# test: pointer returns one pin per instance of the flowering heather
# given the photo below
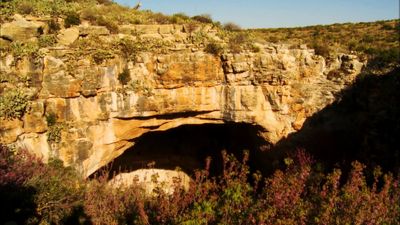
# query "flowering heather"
(299, 194)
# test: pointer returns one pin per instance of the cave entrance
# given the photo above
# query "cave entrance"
(187, 146)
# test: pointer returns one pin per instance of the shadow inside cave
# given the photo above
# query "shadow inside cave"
(362, 124)
(186, 147)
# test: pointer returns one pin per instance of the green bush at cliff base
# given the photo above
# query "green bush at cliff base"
(297, 194)
(58, 190)
(37, 193)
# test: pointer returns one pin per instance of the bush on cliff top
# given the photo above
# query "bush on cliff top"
(214, 48)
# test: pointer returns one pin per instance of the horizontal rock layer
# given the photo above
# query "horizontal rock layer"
(276, 89)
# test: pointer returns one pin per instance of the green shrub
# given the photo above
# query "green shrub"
(140, 87)
(255, 48)
(214, 48)
(368, 38)
(129, 48)
(59, 190)
(26, 7)
(273, 39)
(124, 77)
(352, 44)
(179, 18)
(53, 25)
(54, 133)
(237, 42)
(397, 26)
(90, 14)
(117, 205)
(199, 38)
(47, 41)
(321, 48)
(105, 2)
(387, 27)
(72, 18)
(384, 58)
(160, 18)
(182, 16)
(190, 27)
(19, 49)
(203, 18)
(34, 7)
(13, 104)
(231, 27)
(111, 25)
(51, 119)
(100, 55)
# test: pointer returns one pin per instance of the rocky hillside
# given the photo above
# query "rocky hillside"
(376, 41)
(82, 90)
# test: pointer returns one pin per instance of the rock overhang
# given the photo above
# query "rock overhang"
(276, 89)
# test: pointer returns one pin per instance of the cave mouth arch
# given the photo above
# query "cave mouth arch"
(186, 147)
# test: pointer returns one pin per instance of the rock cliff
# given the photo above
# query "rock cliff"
(101, 102)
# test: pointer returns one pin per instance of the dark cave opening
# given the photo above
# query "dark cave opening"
(187, 147)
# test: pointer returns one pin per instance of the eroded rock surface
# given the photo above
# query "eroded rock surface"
(276, 88)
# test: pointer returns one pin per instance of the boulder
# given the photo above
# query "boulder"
(19, 30)
(166, 29)
(34, 122)
(68, 36)
(60, 85)
(240, 67)
(52, 65)
(10, 130)
(147, 29)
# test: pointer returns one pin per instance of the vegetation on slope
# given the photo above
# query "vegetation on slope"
(100, 12)
(299, 194)
(379, 42)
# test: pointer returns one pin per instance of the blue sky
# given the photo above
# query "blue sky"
(278, 13)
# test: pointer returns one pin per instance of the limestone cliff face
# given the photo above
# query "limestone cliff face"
(276, 88)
